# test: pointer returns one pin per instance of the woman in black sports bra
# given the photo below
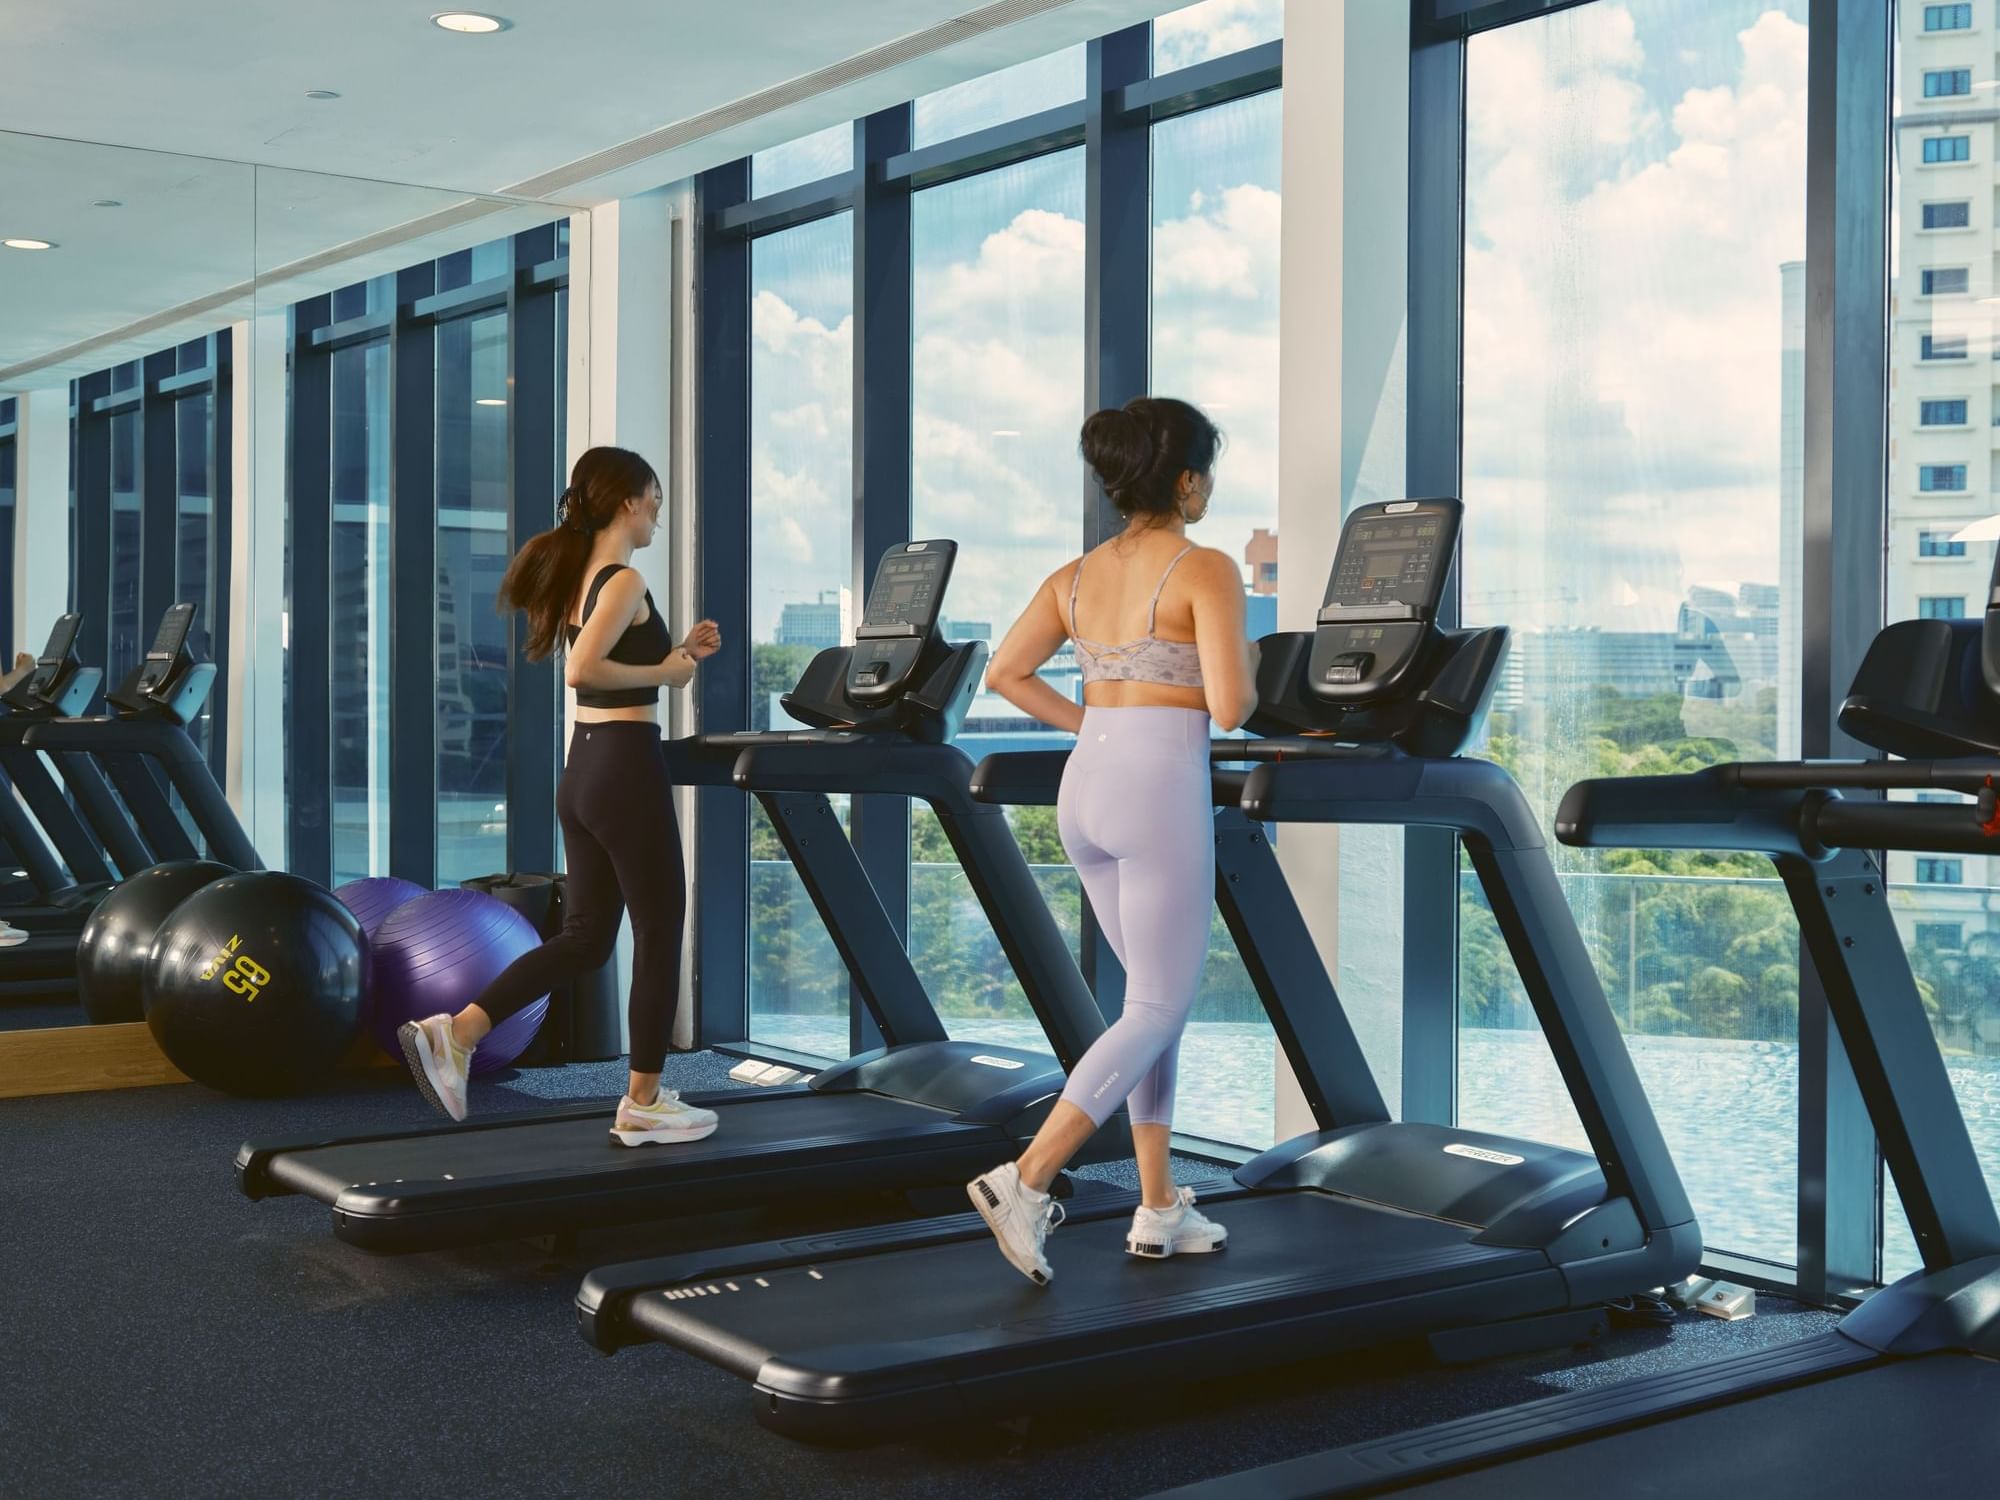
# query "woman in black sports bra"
(620, 836)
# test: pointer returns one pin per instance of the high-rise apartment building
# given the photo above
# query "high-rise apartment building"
(1944, 396)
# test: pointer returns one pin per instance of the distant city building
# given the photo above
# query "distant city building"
(825, 622)
(967, 630)
(1261, 553)
(1725, 647)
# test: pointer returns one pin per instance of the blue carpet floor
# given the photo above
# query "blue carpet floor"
(161, 1335)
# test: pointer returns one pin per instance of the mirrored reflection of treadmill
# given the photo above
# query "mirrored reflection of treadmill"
(75, 867)
(1360, 1231)
(144, 747)
(920, 1111)
(1902, 1394)
(60, 687)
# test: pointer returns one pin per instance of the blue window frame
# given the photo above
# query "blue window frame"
(1946, 281)
(1953, 215)
(1944, 346)
(1940, 871)
(1941, 607)
(1947, 17)
(1947, 83)
(1940, 478)
(1947, 148)
(1941, 413)
(1938, 544)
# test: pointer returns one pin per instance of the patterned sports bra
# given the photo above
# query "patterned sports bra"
(1148, 659)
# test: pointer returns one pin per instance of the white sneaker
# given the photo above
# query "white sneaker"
(1019, 1217)
(1180, 1230)
(439, 1065)
(665, 1119)
(11, 936)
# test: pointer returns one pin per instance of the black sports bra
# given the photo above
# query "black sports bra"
(645, 643)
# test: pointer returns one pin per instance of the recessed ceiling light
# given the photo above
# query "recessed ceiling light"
(470, 22)
(322, 94)
(1006, 432)
(490, 401)
(27, 244)
(105, 203)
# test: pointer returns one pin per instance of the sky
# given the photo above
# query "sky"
(998, 359)
(1636, 179)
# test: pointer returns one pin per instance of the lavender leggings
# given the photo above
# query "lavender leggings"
(1138, 822)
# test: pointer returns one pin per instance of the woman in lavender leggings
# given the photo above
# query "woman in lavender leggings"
(1158, 627)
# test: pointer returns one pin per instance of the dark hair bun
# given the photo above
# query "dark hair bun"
(1117, 445)
(1140, 450)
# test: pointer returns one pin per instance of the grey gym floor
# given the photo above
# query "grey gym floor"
(161, 1335)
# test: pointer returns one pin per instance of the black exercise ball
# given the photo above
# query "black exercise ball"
(111, 954)
(255, 984)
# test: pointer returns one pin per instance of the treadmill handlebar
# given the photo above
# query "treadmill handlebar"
(1474, 798)
(1791, 808)
(164, 740)
(938, 774)
(1032, 778)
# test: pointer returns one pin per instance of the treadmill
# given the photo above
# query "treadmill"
(1358, 1232)
(1903, 1392)
(920, 1111)
(144, 748)
(72, 867)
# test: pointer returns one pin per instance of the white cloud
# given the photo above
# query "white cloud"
(1623, 302)
(1214, 28)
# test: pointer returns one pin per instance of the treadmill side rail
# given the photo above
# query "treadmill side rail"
(1466, 1442)
(254, 1158)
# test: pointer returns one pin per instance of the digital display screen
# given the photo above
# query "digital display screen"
(62, 640)
(1391, 559)
(905, 589)
(1383, 564)
(173, 633)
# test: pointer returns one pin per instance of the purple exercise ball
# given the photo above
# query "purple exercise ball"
(436, 953)
(373, 897)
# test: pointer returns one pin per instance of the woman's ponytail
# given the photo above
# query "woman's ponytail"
(546, 575)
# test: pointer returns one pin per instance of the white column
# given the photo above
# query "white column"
(1341, 399)
(41, 513)
(259, 633)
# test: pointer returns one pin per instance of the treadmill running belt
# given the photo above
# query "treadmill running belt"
(573, 1147)
(922, 1315)
(1911, 1427)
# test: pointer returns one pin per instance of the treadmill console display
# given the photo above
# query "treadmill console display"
(1388, 581)
(909, 585)
(1397, 556)
(173, 634)
(902, 613)
(55, 655)
(167, 648)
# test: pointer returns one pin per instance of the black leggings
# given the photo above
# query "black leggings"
(623, 847)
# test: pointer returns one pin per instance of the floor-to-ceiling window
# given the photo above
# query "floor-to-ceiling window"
(127, 461)
(1634, 218)
(429, 419)
(359, 646)
(1216, 207)
(471, 635)
(801, 561)
(997, 366)
(149, 482)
